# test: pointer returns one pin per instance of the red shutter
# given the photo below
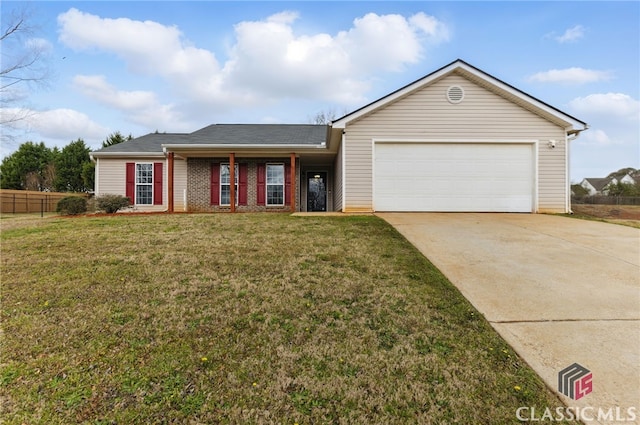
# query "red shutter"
(157, 183)
(130, 185)
(262, 187)
(287, 184)
(215, 184)
(242, 184)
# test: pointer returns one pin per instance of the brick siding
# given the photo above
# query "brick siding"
(199, 182)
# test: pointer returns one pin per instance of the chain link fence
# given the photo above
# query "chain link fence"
(606, 200)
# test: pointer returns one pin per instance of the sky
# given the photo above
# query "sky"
(141, 67)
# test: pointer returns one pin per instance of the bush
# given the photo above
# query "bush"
(72, 205)
(111, 203)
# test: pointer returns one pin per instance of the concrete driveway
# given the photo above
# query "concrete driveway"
(559, 291)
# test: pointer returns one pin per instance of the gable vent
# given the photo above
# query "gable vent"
(455, 94)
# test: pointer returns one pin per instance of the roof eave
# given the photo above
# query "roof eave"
(98, 154)
(240, 147)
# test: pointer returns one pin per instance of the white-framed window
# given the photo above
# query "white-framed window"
(275, 184)
(144, 184)
(225, 184)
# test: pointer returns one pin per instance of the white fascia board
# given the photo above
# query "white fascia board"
(239, 147)
(523, 96)
(126, 154)
(445, 141)
(574, 123)
(341, 123)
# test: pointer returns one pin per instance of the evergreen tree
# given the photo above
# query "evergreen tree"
(29, 168)
(69, 165)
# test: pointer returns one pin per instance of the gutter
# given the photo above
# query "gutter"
(200, 146)
(571, 135)
(94, 155)
(575, 133)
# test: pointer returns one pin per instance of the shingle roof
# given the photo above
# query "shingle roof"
(268, 134)
(226, 134)
(598, 183)
(151, 142)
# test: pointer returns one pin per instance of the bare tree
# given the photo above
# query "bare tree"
(325, 116)
(24, 64)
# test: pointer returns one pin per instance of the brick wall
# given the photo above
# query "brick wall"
(199, 181)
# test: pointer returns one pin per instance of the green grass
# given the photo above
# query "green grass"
(249, 318)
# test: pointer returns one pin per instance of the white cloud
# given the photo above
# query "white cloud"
(59, 124)
(141, 107)
(267, 60)
(613, 141)
(596, 137)
(618, 105)
(147, 47)
(571, 75)
(571, 35)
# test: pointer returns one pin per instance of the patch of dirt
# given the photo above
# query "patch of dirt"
(619, 212)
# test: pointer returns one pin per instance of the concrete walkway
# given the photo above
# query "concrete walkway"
(558, 290)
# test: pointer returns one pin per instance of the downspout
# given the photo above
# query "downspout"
(95, 176)
(570, 136)
(344, 176)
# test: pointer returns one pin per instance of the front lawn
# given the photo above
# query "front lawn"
(248, 318)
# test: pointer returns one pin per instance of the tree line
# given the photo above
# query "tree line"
(34, 166)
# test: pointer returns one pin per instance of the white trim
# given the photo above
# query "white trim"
(536, 161)
(457, 65)
(373, 173)
(454, 141)
(341, 123)
(567, 175)
(266, 185)
(197, 146)
(344, 169)
(96, 180)
(237, 184)
(127, 154)
(135, 184)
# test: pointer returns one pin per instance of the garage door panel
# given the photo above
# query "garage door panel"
(453, 177)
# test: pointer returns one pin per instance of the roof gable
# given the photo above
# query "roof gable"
(599, 183)
(479, 77)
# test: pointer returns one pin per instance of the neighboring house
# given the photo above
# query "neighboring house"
(597, 185)
(457, 139)
(626, 179)
(600, 186)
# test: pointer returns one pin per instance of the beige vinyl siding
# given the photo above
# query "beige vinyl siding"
(427, 115)
(179, 184)
(111, 177)
(337, 182)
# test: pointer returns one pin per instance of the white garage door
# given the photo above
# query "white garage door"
(483, 177)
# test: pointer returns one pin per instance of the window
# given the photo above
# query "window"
(275, 184)
(225, 184)
(144, 184)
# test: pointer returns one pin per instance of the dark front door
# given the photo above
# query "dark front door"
(316, 191)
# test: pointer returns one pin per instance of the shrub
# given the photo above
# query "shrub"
(111, 203)
(72, 205)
